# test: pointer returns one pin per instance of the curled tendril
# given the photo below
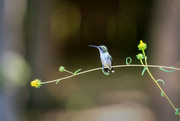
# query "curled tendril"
(177, 111)
(162, 94)
(105, 72)
(143, 71)
(58, 81)
(161, 81)
(167, 70)
(128, 60)
(77, 71)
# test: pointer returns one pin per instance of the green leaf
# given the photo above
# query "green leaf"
(167, 70)
(177, 111)
(162, 94)
(58, 81)
(77, 71)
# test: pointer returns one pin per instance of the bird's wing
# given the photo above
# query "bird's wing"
(111, 60)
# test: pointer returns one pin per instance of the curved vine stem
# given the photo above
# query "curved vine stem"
(129, 65)
(162, 91)
(142, 46)
(116, 66)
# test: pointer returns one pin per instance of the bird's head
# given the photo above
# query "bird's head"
(102, 48)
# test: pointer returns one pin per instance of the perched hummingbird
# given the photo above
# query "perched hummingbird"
(106, 58)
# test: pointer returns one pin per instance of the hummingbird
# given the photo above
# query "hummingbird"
(106, 59)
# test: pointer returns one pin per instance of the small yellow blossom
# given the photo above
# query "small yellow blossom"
(36, 83)
(142, 45)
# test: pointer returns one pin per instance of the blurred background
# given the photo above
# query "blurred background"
(38, 36)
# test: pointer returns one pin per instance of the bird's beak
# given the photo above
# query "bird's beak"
(93, 46)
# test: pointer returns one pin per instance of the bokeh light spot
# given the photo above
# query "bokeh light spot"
(65, 21)
(80, 101)
(14, 69)
(121, 29)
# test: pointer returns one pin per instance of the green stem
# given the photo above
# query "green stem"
(116, 66)
(152, 66)
(156, 81)
(161, 89)
(69, 72)
(144, 57)
(58, 79)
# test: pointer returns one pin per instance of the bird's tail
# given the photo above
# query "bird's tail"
(112, 70)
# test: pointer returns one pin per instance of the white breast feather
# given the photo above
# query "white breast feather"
(105, 59)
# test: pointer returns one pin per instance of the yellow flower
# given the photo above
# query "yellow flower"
(142, 45)
(36, 83)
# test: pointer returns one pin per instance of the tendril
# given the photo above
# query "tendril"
(77, 71)
(161, 81)
(105, 72)
(167, 70)
(128, 60)
(143, 71)
(58, 81)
